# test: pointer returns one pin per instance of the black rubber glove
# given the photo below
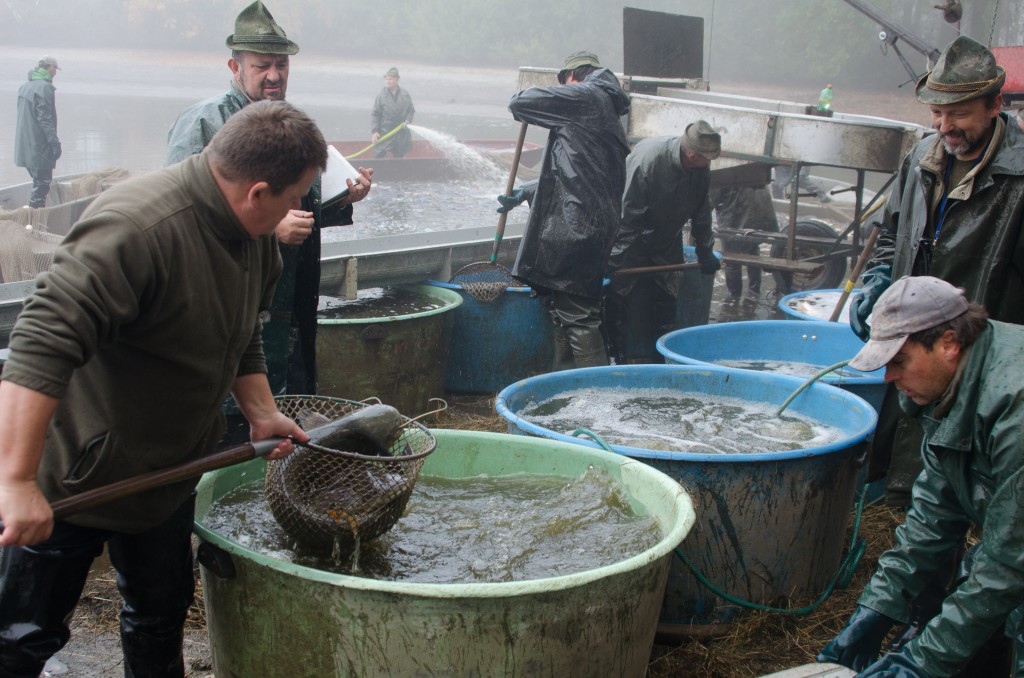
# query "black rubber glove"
(895, 665)
(514, 199)
(709, 265)
(858, 644)
(55, 149)
(876, 281)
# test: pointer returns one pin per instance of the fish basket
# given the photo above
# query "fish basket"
(334, 500)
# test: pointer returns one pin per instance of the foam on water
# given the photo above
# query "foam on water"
(820, 305)
(788, 367)
(667, 420)
(468, 530)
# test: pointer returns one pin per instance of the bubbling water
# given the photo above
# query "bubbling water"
(819, 304)
(468, 530)
(788, 367)
(667, 420)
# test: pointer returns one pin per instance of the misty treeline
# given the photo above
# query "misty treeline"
(786, 41)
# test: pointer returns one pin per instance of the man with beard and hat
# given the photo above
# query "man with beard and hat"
(955, 212)
(259, 62)
(667, 184)
(575, 203)
(36, 145)
(392, 107)
(961, 376)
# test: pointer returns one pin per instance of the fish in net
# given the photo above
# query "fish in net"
(353, 479)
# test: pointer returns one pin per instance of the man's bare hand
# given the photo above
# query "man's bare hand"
(295, 227)
(357, 190)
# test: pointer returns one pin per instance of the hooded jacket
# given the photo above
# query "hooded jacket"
(574, 213)
(36, 139)
(973, 473)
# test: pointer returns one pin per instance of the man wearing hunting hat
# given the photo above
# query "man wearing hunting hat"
(956, 212)
(392, 107)
(961, 376)
(259, 63)
(667, 183)
(574, 205)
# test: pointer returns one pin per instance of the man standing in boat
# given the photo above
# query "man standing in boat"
(667, 185)
(392, 107)
(36, 145)
(575, 204)
(259, 63)
(962, 377)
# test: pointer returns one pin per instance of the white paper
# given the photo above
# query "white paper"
(333, 186)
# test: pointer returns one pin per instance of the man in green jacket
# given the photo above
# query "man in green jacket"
(962, 377)
(119, 363)
(36, 145)
(260, 65)
(956, 212)
(392, 107)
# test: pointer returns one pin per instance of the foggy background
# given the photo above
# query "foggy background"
(130, 66)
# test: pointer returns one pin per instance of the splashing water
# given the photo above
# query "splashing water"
(465, 158)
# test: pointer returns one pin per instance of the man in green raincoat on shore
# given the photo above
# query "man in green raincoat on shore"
(961, 376)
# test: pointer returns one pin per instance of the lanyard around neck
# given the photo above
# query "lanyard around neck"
(947, 189)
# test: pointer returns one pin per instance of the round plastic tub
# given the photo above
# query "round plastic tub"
(397, 358)
(270, 618)
(495, 343)
(820, 344)
(771, 525)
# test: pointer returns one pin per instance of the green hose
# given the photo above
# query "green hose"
(803, 386)
(841, 578)
(598, 439)
(380, 139)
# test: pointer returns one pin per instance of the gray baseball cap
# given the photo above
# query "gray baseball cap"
(910, 305)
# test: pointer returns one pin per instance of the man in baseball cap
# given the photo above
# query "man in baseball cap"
(961, 376)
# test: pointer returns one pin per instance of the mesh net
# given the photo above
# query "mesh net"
(327, 500)
(483, 280)
(24, 252)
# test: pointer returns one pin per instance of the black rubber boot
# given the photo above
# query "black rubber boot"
(156, 578)
(39, 589)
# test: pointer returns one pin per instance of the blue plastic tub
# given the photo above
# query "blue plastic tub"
(806, 305)
(771, 526)
(820, 344)
(496, 343)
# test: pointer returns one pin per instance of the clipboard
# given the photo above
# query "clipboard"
(333, 186)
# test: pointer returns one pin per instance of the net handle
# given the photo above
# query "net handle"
(509, 187)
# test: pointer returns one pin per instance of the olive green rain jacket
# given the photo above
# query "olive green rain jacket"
(973, 473)
(979, 247)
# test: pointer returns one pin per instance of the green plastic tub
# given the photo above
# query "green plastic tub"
(400, 359)
(271, 618)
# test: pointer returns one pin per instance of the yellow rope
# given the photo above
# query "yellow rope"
(383, 138)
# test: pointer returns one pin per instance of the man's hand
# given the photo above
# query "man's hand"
(374, 137)
(860, 641)
(357, 190)
(277, 425)
(709, 265)
(295, 227)
(27, 517)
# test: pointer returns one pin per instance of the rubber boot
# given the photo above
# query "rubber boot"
(39, 589)
(563, 358)
(156, 578)
(588, 347)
